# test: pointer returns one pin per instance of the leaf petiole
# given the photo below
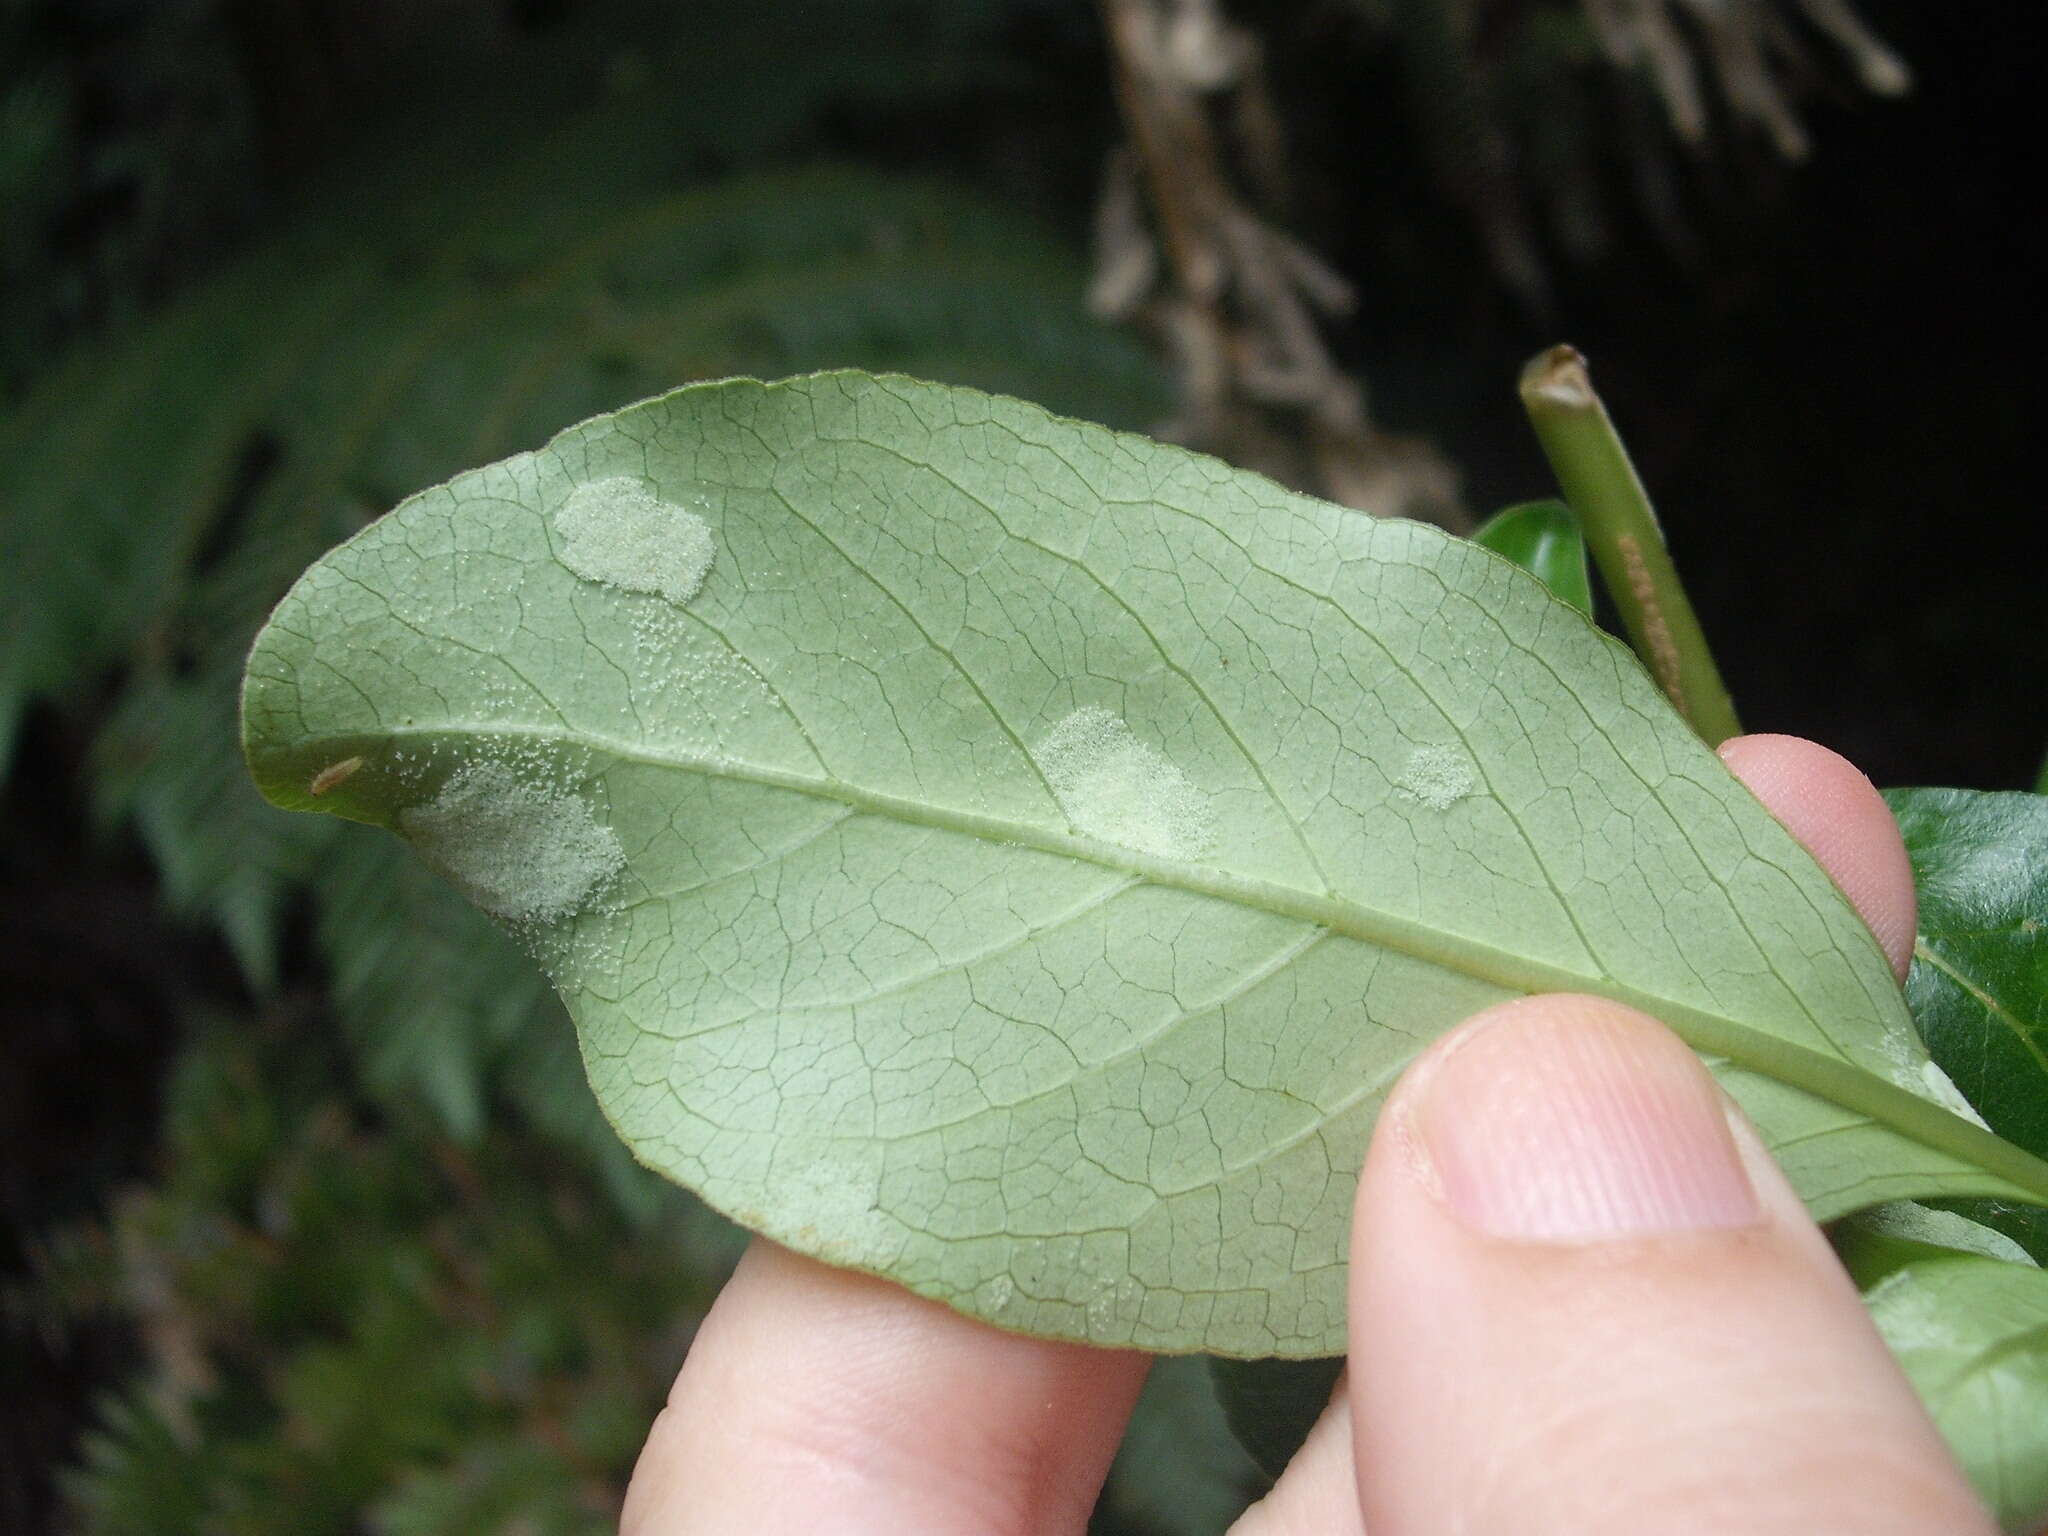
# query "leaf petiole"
(1620, 528)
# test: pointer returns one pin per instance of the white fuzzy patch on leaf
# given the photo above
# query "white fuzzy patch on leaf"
(1114, 787)
(521, 851)
(1941, 1088)
(1438, 777)
(618, 533)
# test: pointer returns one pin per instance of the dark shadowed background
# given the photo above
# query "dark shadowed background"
(306, 1220)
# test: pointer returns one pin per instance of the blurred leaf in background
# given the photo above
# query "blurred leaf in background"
(346, 1320)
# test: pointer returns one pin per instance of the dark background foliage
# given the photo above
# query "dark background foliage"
(236, 1189)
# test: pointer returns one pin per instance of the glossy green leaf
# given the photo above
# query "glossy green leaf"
(1979, 984)
(1972, 1334)
(1543, 537)
(1018, 861)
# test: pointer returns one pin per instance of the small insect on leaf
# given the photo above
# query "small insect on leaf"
(333, 774)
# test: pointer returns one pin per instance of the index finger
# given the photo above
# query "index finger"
(820, 1399)
(1824, 800)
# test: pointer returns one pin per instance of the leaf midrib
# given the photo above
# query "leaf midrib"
(1711, 1034)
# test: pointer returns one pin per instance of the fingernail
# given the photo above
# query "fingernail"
(1573, 1120)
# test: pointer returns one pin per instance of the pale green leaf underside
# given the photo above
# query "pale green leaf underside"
(1972, 1334)
(1023, 862)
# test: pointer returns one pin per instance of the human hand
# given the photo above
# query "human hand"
(1583, 1300)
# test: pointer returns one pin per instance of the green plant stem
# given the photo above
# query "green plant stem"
(1621, 530)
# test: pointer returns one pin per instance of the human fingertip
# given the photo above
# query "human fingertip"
(1838, 816)
(1575, 1119)
(1584, 1300)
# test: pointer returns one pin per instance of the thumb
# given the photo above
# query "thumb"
(1585, 1301)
